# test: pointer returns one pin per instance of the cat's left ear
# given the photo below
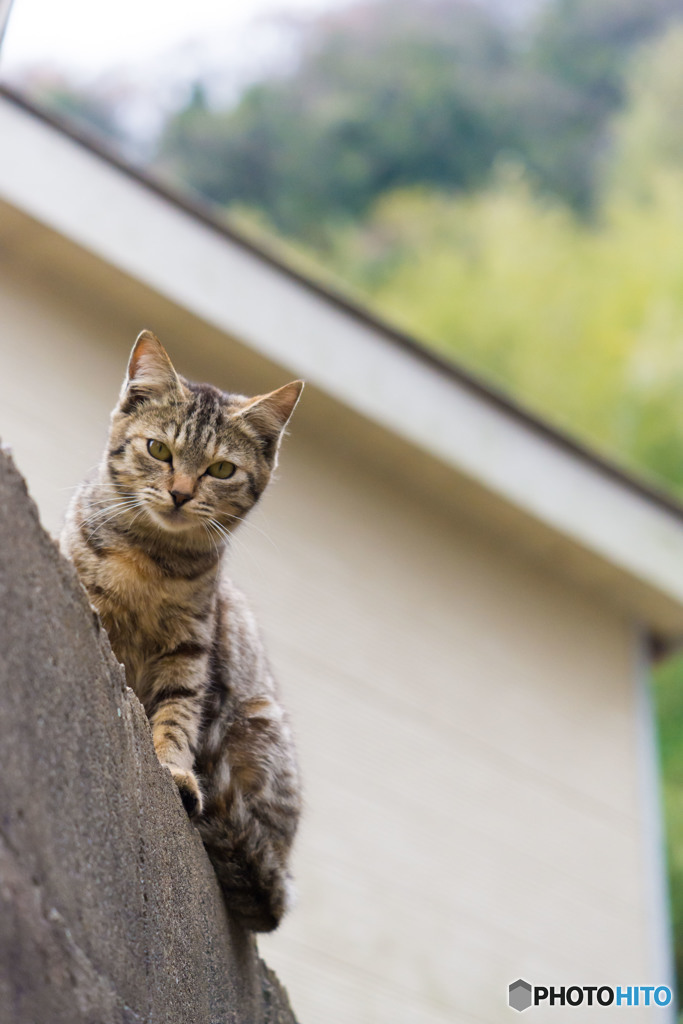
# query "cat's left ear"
(150, 372)
(269, 414)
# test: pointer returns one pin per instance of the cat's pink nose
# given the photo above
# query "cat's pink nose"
(180, 497)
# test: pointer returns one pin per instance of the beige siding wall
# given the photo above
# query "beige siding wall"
(467, 721)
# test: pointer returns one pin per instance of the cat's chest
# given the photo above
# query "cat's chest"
(144, 612)
(127, 583)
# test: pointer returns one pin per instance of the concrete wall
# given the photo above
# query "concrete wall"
(109, 909)
(469, 722)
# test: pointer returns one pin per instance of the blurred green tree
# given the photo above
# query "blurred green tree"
(393, 93)
(583, 49)
(668, 693)
(386, 94)
(647, 138)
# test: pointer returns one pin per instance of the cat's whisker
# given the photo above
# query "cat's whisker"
(116, 492)
(91, 519)
(137, 514)
(114, 514)
(119, 506)
(223, 536)
(99, 526)
(247, 551)
(119, 500)
(251, 525)
(222, 532)
(204, 527)
(211, 538)
(230, 539)
(111, 500)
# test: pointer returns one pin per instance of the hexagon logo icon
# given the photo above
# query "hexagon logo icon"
(519, 995)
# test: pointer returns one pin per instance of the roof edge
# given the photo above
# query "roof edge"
(205, 212)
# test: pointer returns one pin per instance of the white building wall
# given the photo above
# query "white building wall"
(467, 720)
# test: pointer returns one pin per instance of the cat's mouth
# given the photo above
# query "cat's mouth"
(175, 519)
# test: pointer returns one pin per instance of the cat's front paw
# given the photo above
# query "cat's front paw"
(189, 790)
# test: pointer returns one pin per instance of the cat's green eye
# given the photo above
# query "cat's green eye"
(159, 450)
(222, 470)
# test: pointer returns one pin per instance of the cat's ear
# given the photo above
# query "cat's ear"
(269, 414)
(150, 372)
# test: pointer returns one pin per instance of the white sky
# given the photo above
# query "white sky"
(141, 55)
(89, 38)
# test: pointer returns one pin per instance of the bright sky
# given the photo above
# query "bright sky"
(89, 37)
(142, 54)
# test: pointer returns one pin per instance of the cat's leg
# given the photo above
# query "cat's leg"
(174, 709)
(251, 813)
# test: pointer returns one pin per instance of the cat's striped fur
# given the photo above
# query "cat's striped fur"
(147, 535)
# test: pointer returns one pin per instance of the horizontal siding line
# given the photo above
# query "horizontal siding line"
(412, 805)
(487, 753)
(374, 981)
(590, 893)
(570, 957)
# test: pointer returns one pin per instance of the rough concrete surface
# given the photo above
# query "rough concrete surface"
(109, 909)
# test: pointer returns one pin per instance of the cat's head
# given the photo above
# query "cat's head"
(189, 458)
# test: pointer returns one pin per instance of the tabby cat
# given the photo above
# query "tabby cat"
(183, 465)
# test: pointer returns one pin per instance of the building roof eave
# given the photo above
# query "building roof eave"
(179, 250)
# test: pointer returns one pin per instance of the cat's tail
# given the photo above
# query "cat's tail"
(251, 872)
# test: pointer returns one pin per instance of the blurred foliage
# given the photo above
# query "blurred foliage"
(394, 93)
(583, 48)
(648, 137)
(387, 94)
(579, 320)
(668, 693)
